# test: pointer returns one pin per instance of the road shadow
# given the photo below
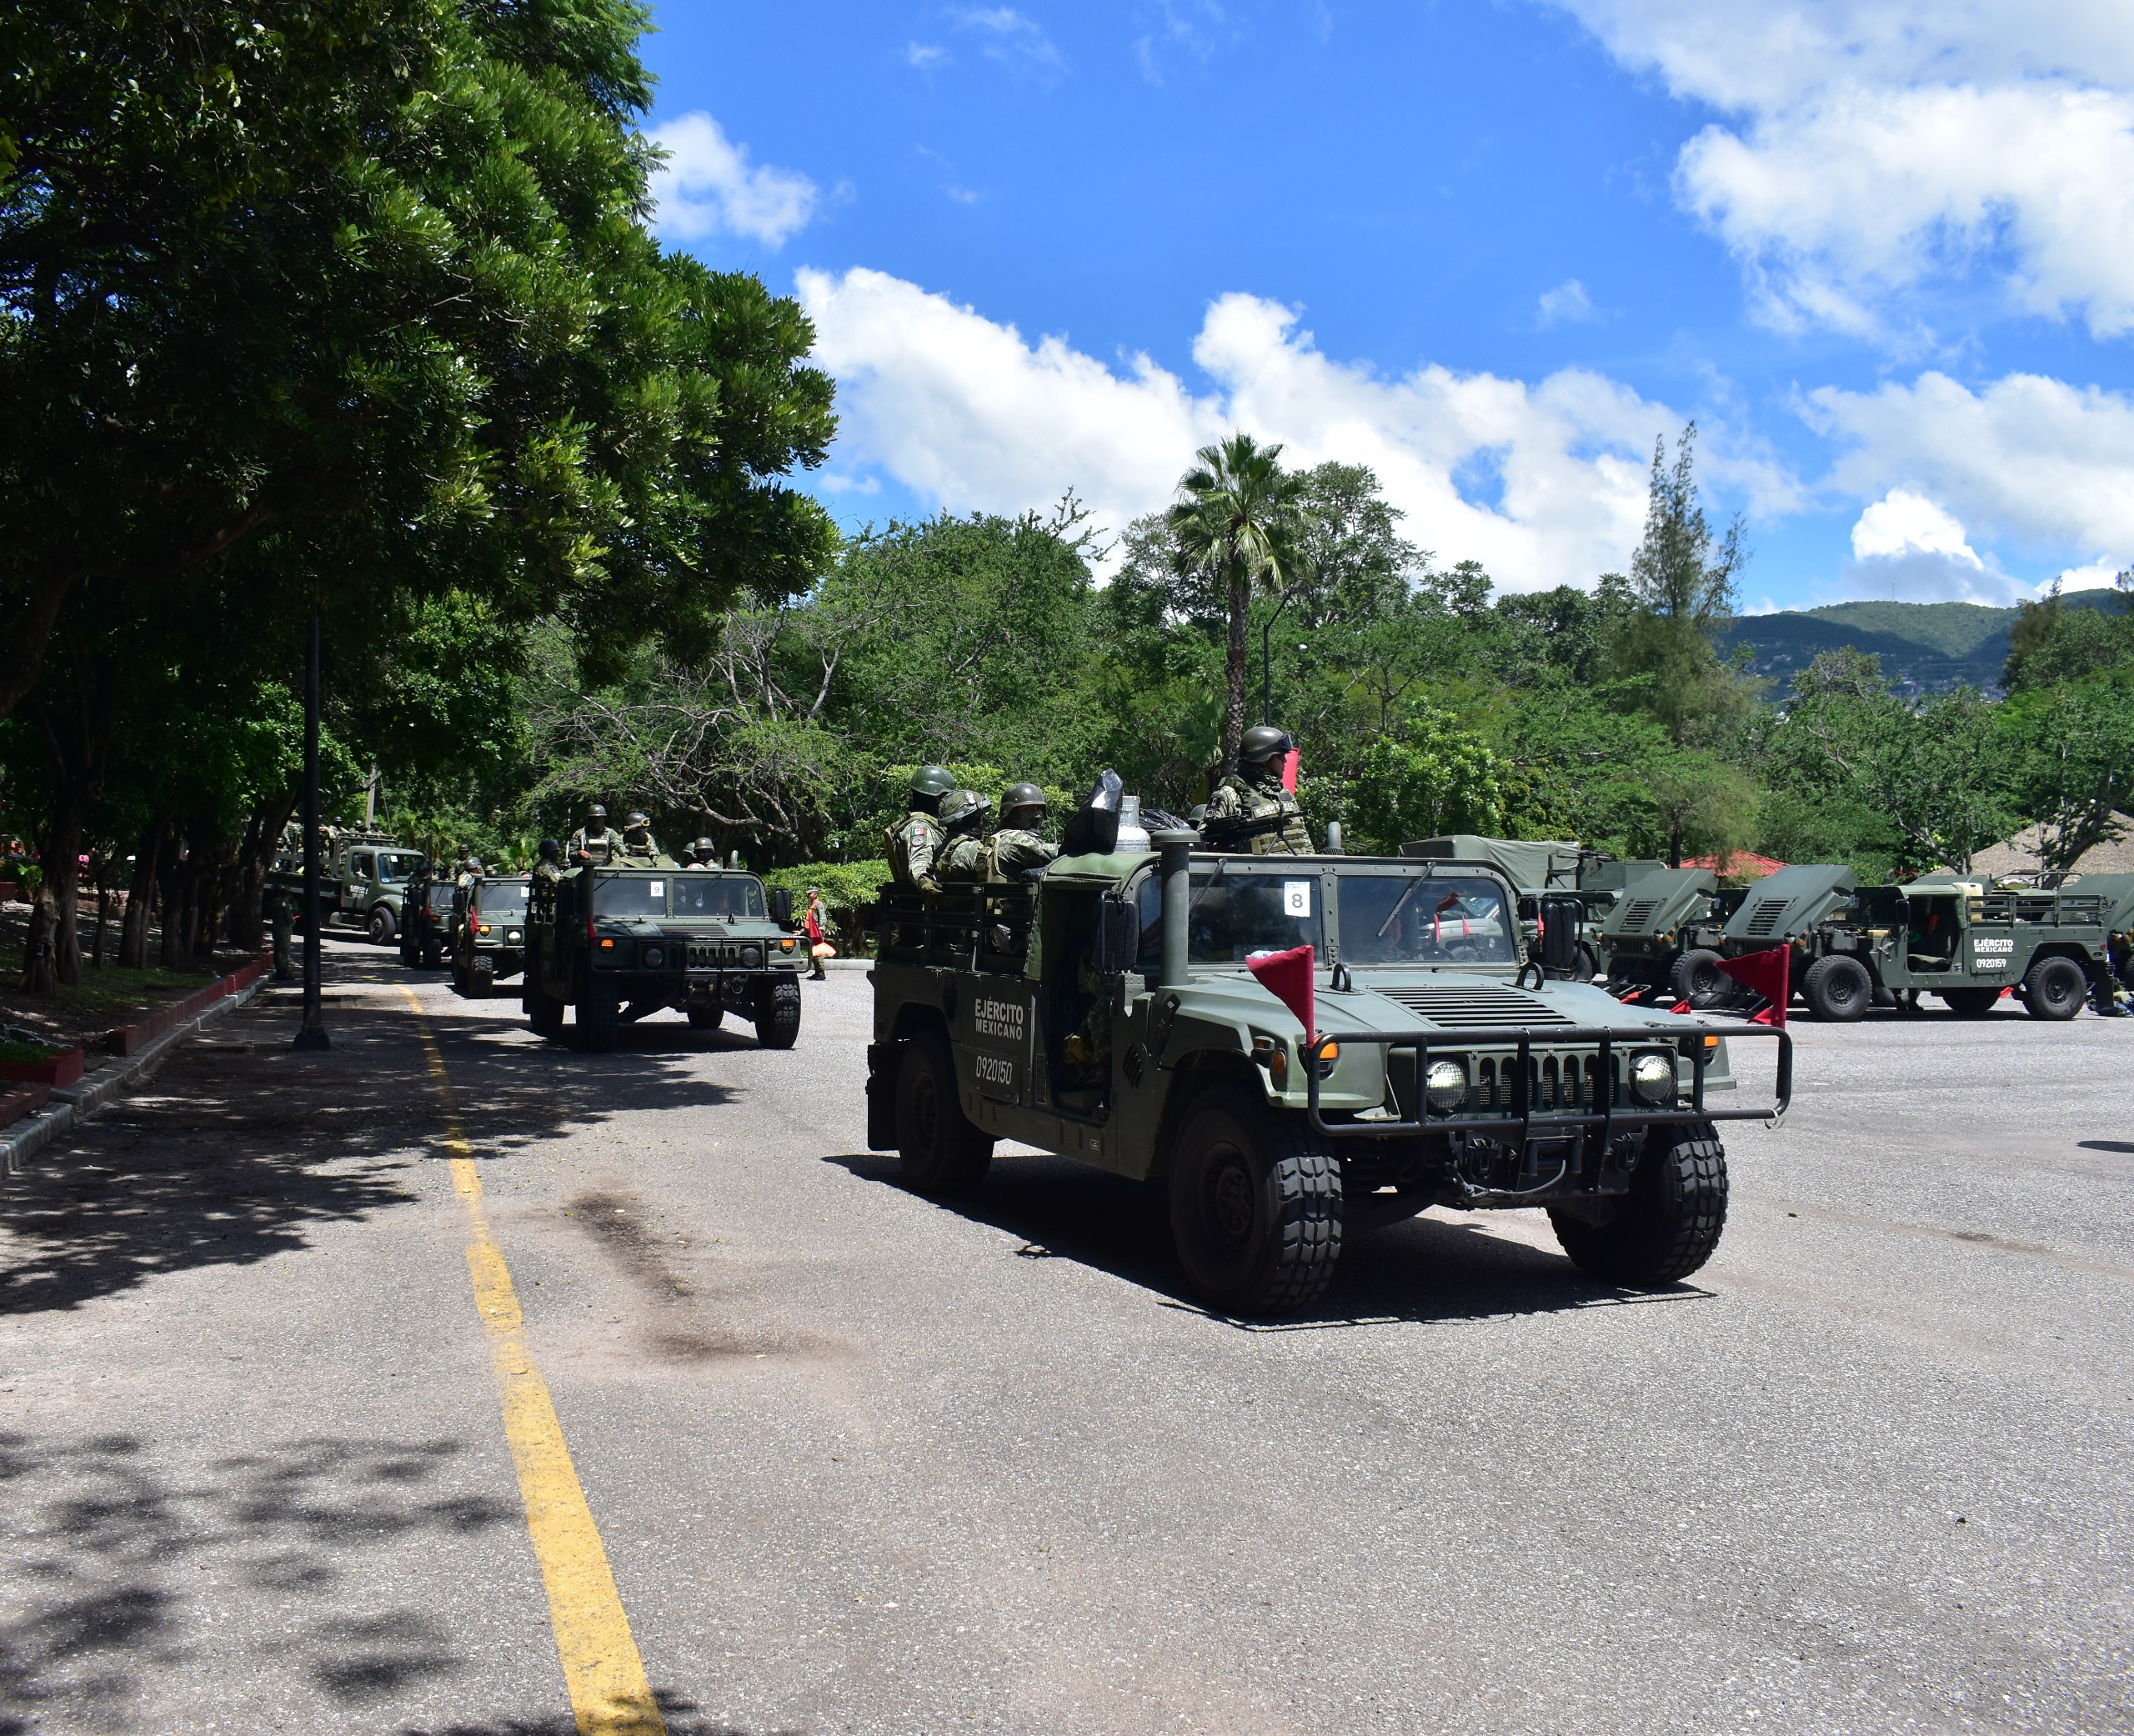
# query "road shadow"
(2115, 1145)
(240, 1149)
(126, 1566)
(675, 1711)
(1421, 1271)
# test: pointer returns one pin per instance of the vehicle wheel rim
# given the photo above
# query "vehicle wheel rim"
(1230, 1196)
(924, 1113)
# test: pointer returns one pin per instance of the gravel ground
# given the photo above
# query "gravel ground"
(864, 1463)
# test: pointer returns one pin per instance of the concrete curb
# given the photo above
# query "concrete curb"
(73, 1104)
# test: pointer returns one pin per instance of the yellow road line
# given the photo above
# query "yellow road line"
(608, 1693)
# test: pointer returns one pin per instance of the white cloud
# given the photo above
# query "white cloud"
(1566, 304)
(1901, 523)
(967, 413)
(1883, 146)
(2048, 465)
(2097, 575)
(1015, 40)
(708, 186)
(925, 56)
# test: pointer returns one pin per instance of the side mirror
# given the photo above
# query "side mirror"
(1118, 938)
(781, 905)
(1562, 917)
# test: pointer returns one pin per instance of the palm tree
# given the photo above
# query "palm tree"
(1235, 526)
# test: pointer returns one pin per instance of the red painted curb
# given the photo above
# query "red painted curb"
(14, 1105)
(64, 1068)
(126, 1039)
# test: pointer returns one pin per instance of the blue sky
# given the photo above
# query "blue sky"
(1883, 251)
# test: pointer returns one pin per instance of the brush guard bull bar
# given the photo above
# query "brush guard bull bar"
(1522, 1115)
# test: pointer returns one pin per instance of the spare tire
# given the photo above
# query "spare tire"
(1838, 989)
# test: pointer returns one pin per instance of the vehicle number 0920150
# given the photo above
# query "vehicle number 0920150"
(994, 1075)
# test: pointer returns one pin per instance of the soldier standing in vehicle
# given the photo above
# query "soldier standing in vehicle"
(703, 854)
(1249, 812)
(962, 855)
(1018, 850)
(592, 842)
(639, 848)
(468, 871)
(917, 840)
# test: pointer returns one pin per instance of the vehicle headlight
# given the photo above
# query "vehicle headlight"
(653, 956)
(751, 957)
(514, 936)
(1446, 1085)
(1652, 1078)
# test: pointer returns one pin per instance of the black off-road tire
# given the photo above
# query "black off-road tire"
(482, 980)
(777, 1016)
(1256, 1204)
(2055, 988)
(938, 1147)
(706, 1019)
(1696, 978)
(599, 1015)
(1838, 989)
(432, 956)
(543, 1011)
(1969, 1003)
(1672, 1220)
(381, 927)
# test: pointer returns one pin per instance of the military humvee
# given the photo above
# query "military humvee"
(1109, 1012)
(1956, 935)
(1667, 932)
(614, 944)
(488, 938)
(427, 919)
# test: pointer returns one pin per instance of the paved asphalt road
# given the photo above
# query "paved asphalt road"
(862, 1462)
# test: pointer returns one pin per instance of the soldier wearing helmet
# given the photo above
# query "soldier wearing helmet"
(703, 854)
(1018, 849)
(592, 842)
(639, 848)
(1249, 812)
(963, 824)
(916, 840)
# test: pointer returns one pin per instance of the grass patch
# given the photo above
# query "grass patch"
(113, 990)
(26, 1051)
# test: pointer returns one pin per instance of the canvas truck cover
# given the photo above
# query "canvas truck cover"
(1778, 907)
(1531, 865)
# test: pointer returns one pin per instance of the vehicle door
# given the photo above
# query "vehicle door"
(1934, 934)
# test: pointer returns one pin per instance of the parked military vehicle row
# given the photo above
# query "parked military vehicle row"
(363, 879)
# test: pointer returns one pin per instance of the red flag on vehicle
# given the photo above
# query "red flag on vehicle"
(1764, 973)
(1289, 771)
(1287, 976)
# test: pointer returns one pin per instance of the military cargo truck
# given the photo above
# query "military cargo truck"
(363, 878)
(1110, 1012)
(427, 919)
(1966, 941)
(488, 941)
(614, 944)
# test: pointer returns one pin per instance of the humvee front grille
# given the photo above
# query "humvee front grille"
(1639, 912)
(1478, 1005)
(1764, 923)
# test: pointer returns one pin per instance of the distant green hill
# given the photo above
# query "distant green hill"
(1923, 646)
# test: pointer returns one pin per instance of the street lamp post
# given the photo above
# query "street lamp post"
(311, 1033)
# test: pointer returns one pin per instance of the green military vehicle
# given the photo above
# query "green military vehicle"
(1667, 933)
(613, 945)
(1109, 1013)
(1958, 937)
(427, 919)
(363, 879)
(488, 938)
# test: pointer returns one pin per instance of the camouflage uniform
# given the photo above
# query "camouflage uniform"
(638, 847)
(285, 927)
(1020, 855)
(602, 849)
(917, 839)
(1087, 1052)
(1249, 813)
(962, 855)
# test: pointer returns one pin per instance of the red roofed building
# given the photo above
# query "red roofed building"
(1742, 865)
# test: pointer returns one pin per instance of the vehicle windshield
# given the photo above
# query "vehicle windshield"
(723, 896)
(728, 897)
(397, 865)
(1237, 912)
(627, 895)
(440, 898)
(502, 899)
(1395, 918)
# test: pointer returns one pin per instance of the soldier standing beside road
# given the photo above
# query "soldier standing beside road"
(284, 921)
(1249, 812)
(963, 822)
(915, 841)
(592, 842)
(1018, 852)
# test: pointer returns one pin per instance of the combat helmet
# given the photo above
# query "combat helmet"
(962, 809)
(596, 812)
(928, 784)
(1262, 742)
(1018, 798)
